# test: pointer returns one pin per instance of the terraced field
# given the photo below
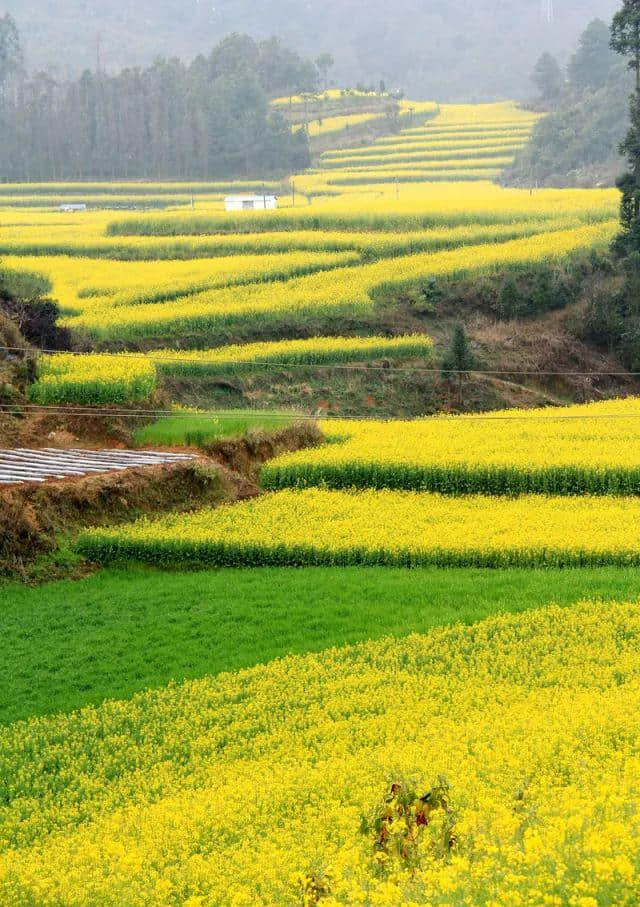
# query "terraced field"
(485, 761)
(460, 143)
(588, 449)
(325, 714)
(434, 491)
(204, 279)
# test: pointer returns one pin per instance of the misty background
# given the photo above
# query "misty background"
(450, 50)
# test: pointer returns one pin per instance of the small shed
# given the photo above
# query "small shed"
(250, 202)
(72, 206)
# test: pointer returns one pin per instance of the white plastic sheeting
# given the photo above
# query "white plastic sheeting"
(25, 465)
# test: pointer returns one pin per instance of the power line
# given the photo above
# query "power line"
(86, 411)
(243, 363)
(93, 412)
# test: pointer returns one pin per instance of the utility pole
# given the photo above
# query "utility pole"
(98, 54)
(293, 193)
(547, 11)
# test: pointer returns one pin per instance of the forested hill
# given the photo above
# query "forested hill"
(577, 144)
(208, 119)
(447, 49)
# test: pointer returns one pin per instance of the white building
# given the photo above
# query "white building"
(250, 202)
(72, 206)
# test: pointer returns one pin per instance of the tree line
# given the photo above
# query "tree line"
(586, 104)
(588, 69)
(209, 119)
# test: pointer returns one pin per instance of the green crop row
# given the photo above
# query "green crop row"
(455, 479)
(108, 547)
(315, 351)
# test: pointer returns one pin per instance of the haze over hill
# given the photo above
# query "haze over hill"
(451, 50)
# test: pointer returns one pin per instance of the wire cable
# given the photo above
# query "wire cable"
(245, 364)
(493, 416)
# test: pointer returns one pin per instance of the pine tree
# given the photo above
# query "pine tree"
(592, 62)
(547, 77)
(459, 360)
(11, 57)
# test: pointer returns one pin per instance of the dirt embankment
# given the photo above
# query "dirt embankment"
(32, 516)
(244, 456)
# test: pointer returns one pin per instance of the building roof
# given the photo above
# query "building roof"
(249, 198)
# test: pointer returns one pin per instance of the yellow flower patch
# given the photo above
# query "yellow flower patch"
(401, 528)
(252, 788)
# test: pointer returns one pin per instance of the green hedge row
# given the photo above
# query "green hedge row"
(108, 547)
(456, 480)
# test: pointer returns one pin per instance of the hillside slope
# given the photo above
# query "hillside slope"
(577, 144)
(431, 49)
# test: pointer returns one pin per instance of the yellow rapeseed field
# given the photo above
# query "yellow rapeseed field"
(496, 764)
(431, 136)
(440, 150)
(484, 114)
(249, 789)
(380, 208)
(92, 379)
(94, 284)
(454, 172)
(329, 94)
(342, 289)
(383, 527)
(331, 125)
(22, 244)
(592, 448)
(288, 352)
(419, 198)
(420, 163)
(474, 147)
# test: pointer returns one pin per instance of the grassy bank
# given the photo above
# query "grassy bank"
(69, 644)
(195, 429)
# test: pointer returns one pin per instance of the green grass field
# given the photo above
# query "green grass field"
(69, 644)
(196, 429)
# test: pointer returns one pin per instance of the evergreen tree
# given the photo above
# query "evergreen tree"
(594, 59)
(616, 318)
(208, 120)
(11, 57)
(625, 35)
(547, 77)
(459, 359)
(324, 64)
